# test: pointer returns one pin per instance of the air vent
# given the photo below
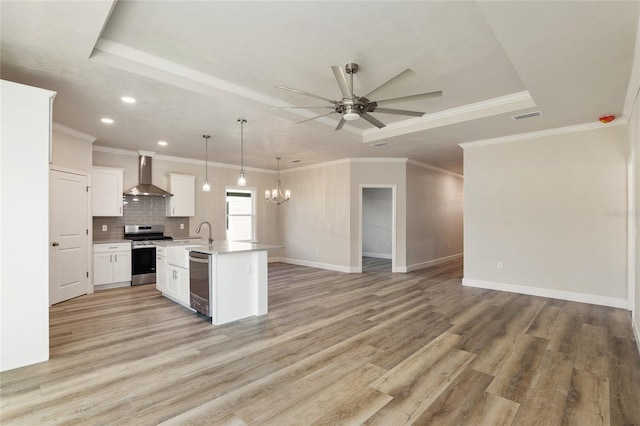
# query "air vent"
(527, 115)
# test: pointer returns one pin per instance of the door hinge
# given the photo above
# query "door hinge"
(87, 188)
(87, 231)
(87, 274)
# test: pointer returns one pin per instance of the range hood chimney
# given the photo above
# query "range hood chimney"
(145, 187)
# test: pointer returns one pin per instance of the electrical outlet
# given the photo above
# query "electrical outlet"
(499, 265)
(104, 228)
(182, 226)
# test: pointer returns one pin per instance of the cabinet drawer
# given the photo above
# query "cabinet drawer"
(106, 248)
(161, 251)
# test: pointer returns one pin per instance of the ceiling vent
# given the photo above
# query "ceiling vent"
(527, 115)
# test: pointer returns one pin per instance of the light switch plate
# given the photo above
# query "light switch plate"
(182, 226)
(104, 228)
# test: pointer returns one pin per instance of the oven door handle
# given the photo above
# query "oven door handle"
(197, 260)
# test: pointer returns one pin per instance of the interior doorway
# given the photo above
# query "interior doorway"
(377, 226)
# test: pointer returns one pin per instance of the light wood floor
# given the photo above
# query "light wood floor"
(373, 348)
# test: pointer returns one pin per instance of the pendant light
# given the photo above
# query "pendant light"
(205, 186)
(275, 195)
(241, 179)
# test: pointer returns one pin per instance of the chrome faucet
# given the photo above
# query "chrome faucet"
(200, 227)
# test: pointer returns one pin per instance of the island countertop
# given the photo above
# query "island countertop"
(227, 247)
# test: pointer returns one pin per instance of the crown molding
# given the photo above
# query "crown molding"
(543, 133)
(183, 160)
(434, 168)
(73, 132)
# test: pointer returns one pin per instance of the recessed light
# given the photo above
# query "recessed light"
(106, 120)
(128, 100)
(162, 143)
(381, 144)
(296, 161)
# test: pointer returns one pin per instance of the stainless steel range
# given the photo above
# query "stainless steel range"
(143, 251)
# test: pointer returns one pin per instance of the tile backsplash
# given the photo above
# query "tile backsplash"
(144, 211)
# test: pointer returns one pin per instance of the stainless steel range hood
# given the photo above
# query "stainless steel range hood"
(145, 187)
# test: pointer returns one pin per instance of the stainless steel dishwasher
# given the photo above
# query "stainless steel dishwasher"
(199, 283)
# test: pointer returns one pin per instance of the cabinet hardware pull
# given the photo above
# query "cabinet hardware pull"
(55, 244)
(116, 257)
(111, 258)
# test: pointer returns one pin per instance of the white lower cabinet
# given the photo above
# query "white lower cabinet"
(112, 265)
(161, 269)
(178, 284)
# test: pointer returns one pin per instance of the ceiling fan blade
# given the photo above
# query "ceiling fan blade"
(313, 118)
(411, 98)
(399, 112)
(371, 119)
(403, 75)
(302, 107)
(306, 94)
(341, 78)
(341, 123)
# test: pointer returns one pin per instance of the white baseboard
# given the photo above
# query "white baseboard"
(377, 255)
(593, 299)
(328, 266)
(432, 262)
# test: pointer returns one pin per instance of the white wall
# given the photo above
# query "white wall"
(377, 219)
(315, 223)
(210, 206)
(24, 225)
(634, 212)
(434, 216)
(549, 210)
(72, 151)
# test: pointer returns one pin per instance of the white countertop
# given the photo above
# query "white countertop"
(181, 242)
(226, 247)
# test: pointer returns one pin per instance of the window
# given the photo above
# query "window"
(240, 215)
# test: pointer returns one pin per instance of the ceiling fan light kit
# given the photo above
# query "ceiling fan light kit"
(351, 107)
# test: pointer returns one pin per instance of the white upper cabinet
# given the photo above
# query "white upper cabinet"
(106, 191)
(183, 202)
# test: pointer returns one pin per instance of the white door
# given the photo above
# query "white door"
(69, 239)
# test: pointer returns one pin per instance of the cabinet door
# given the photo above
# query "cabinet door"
(161, 273)
(183, 203)
(172, 281)
(106, 192)
(183, 286)
(102, 268)
(121, 266)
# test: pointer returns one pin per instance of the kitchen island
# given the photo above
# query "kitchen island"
(236, 272)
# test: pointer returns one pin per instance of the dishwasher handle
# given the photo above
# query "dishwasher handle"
(198, 257)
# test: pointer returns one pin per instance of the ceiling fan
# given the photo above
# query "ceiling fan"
(351, 107)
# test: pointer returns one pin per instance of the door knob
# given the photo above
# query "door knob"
(55, 244)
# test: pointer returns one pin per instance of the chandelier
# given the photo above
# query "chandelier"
(275, 195)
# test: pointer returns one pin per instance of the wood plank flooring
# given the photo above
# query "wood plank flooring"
(375, 348)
